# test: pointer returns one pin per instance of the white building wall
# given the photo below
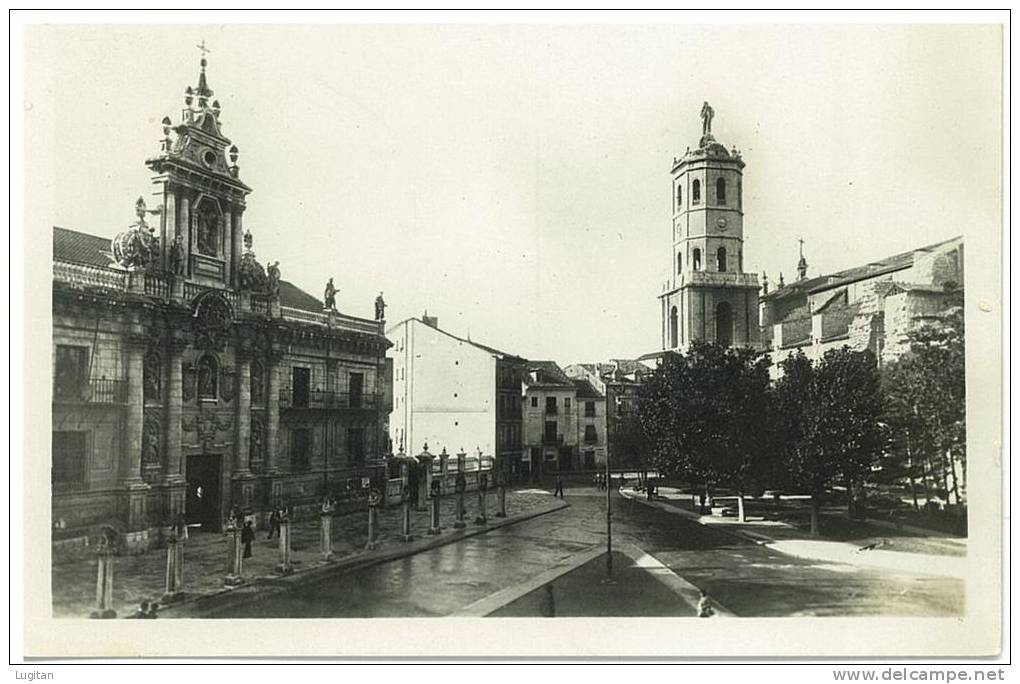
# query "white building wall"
(444, 392)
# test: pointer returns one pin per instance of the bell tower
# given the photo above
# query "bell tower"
(708, 296)
(197, 175)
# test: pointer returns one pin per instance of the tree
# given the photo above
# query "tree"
(848, 412)
(703, 414)
(796, 417)
(631, 445)
(925, 394)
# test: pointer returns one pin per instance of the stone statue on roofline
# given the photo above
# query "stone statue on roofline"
(274, 278)
(380, 307)
(329, 296)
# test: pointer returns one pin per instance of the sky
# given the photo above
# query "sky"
(515, 180)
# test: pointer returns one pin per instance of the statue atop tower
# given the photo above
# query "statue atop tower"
(802, 263)
(708, 297)
(706, 122)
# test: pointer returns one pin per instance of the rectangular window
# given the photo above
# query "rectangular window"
(550, 432)
(70, 373)
(356, 445)
(300, 383)
(550, 405)
(566, 403)
(589, 409)
(68, 458)
(590, 435)
(534, 402)
(355, 388)
(300, 448)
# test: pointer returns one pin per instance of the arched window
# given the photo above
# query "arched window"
(672, 327)
(724, 324)
(696, 259)
(720, 191)
(208, 377)
(679, 262)
(679, 197)
(696, 191)
(720, 260)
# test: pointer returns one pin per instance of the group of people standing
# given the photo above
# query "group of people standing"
(246, 524)
(598, 481)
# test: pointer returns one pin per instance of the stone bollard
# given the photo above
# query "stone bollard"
(174, 569)
(436, 490)
(284, 567)
(374, 499)
(234, 556)
(104, 584)
(483, 486)
(461, 485)
(326, 535)
(406, 510)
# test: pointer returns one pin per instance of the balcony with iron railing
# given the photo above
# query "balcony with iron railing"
(551, 409)
(98, 391)
(552, 440)
(322, 399)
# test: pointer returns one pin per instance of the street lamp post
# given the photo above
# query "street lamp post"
(609, 519)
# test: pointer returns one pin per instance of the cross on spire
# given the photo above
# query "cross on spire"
(202, 48)
(801, 241)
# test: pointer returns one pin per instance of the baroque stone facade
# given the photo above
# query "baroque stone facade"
(190, 379)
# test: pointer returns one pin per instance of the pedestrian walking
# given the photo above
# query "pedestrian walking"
(153, 610)
(247, 537)
(274, 523)
(559, 486)
(143, 611)
(705, 608)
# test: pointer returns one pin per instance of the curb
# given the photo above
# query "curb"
(268, 585)
(694, 517)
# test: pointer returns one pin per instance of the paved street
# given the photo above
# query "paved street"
(141, 577)
(747, 578)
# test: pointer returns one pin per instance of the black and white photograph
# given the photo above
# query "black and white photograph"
(431, 338)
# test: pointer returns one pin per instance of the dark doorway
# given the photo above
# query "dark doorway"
(203, 502)
(724, 324)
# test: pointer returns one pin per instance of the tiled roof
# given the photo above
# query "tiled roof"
(585, 390)
(483, 347)
(80, 248)
(294, 297)
(889, 264)
(549, 375)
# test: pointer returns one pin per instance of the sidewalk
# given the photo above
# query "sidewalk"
(141, 578)
(921, 555)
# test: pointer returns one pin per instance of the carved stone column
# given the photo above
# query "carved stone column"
(242, 440)
(226, 248)
(174, 479)
(133, 501)
(185, 229)
(272, 412)
(169, 223)
(174, 399)
(131, 462)
(237, 236)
